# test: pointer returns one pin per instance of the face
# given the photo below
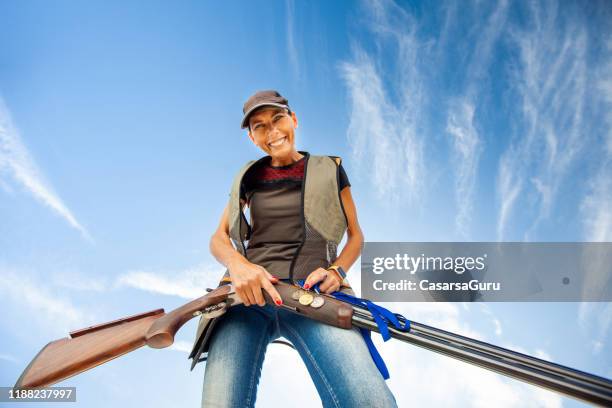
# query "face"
(273, 130)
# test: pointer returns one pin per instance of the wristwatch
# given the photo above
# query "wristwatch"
(338, 270)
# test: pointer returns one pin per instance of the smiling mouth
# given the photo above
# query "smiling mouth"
(277, 142)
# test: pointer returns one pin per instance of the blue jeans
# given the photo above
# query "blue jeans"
(337, 359)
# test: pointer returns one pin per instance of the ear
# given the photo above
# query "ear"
(251, 137)
(295, 121)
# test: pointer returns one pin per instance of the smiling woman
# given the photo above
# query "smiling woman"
(278, 120)
(300, 208)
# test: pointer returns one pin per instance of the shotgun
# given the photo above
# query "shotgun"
(92, 346)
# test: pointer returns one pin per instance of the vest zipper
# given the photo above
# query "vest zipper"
(242, 216)
(297, 252)
(340, 196)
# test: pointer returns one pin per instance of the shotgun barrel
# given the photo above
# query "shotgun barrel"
(568, 381)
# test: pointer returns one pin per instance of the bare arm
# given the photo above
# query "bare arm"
(354, 241)
(220, 244)
(248, 278)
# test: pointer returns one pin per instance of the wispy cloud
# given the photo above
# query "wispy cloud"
(550, 79)
(17, 163)
(292, 51)
(78, 282)
(49, 307)
(482, 64)
(597, 205)
(596, 208)
(494, 320)
(187, 284)
(595, 319)
(467, 148)
(384, 126)
(509, 185)
(461, 124)
(396, 102)
(182, 346)
(9, 358)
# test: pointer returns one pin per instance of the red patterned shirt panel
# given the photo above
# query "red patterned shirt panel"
(266, 176)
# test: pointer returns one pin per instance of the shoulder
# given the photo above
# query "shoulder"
(333, 167)
(332, 163)
(336, 159)
(343, 180)
(247, 169)
(243, 175)
(327, 159)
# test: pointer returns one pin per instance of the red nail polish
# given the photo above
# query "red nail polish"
(306, 286)
(278, 302)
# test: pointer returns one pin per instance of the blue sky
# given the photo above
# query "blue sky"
(119, 138)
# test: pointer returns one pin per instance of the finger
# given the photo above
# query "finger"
(271, 277)
(334, 287)
(314, 277)
(329, 282)
(268, 287)
(259, 299)
(248, 295)
(251, 295)
(242, 294)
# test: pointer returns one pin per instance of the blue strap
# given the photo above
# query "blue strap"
(382, 317)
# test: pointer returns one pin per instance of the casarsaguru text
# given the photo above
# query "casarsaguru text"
(408, 285)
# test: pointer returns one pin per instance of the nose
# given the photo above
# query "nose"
(273, 134)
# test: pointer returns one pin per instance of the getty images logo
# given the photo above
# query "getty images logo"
(422, 263)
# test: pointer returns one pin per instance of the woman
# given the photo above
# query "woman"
(300, 206)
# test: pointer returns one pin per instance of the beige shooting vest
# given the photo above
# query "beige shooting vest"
(323, 220)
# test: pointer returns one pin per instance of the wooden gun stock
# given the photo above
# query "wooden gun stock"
(95, 345)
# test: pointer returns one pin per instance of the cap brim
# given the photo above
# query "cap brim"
(245, 119)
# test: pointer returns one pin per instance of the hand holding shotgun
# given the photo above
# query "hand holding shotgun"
(250, 281)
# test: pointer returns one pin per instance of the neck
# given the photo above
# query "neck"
(285, 161)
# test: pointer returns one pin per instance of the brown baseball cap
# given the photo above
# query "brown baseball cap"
(259, 99)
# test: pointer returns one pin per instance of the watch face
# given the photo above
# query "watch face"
(339, 270)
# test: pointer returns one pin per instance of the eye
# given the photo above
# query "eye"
(256, 126)
(278, 117)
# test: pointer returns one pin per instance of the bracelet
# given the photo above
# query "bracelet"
(339, 271)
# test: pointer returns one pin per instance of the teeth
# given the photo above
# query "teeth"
(277, 142)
